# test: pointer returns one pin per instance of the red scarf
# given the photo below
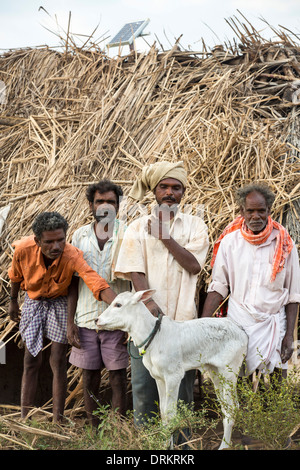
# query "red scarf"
(284, 243)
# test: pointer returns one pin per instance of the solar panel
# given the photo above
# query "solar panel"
(128, 33)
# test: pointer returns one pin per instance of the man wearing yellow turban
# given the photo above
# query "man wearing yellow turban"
(164, 251)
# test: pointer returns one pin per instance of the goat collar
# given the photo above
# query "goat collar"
(148, 340)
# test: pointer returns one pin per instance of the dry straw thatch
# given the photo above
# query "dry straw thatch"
(77, 116)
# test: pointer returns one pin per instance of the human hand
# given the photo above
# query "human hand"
(286, 348)
(158, 227)
(73, 335)
(154, 308)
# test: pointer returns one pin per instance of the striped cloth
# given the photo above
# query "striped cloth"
(43, 318)
(103, 262)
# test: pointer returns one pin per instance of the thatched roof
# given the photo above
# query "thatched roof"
(74, 117)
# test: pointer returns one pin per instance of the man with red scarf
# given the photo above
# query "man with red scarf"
(256, 262)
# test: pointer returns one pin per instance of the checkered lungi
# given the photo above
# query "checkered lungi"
(45, 317)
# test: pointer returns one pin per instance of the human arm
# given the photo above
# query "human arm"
(140, 282)
(291, 311)
(211, 304)
(183, 257)
(15, 274)
(13, 307)
(97, 284)
(131, 263)
(219, 286)
(107, 295)
(291, 308)
(159, 229)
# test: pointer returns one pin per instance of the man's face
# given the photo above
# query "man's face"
(52, 243)
(169, 191)
(255, 212)
(105, 206)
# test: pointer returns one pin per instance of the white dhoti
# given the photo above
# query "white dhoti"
(265, 332)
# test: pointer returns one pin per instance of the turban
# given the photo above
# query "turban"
(153, 174)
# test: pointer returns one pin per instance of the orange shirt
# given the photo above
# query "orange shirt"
(29, 269)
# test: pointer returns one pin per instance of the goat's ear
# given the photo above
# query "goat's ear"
(143, 295)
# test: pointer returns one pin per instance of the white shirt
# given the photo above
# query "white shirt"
(142, 252)
(88, 308)
(255, 302)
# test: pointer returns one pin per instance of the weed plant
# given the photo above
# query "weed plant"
(119, 433)
(271, 413)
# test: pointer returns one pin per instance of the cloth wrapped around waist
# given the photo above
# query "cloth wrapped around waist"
(43, 318)
(265, 333)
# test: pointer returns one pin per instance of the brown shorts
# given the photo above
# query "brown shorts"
(100, 349)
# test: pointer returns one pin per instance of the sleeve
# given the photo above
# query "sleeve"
(220, 277)
(199, 242)
(75, 242)
(75, 239)
(93, 280)
(292, 280)
(15, 272)
(130, 257)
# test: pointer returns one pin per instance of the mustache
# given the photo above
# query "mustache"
(55, 253)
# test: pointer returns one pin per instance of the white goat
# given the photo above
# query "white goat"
(214, 345)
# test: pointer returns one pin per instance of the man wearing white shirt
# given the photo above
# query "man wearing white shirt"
(92, 349)
(164, 251)
(256, 261)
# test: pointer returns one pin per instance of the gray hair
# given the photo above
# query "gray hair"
(264, 190)
(47, 221)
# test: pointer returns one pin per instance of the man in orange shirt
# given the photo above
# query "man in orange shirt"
(43, 266)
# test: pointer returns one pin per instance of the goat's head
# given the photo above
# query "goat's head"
(123, 310)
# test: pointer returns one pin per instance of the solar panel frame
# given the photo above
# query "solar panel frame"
(128, 33)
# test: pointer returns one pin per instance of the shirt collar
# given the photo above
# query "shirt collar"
(272, 236)
(91, 230)
(40, 259)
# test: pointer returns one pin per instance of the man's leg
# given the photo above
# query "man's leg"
(91, 387)
(186, 389)
(58, 363)
(32, 365)
(88, 358)
(118, 382)
(185, 394)
(277, 377)
(114, 355)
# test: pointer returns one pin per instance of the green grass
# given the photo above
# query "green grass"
(269, 415)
